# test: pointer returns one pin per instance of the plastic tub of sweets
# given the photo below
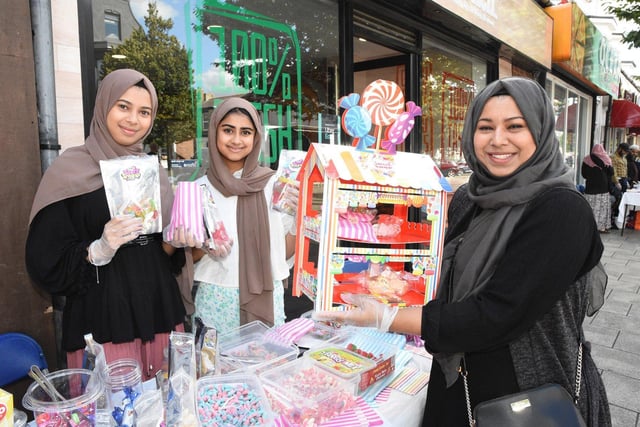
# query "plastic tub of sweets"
(80, 389)
(306, 394)
(320, 335)
(232, 400)
(383, 355)
(248, 349)
(344, 363)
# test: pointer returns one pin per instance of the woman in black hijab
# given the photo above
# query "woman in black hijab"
(519, 256)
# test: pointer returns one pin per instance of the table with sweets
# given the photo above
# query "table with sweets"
(391, 391)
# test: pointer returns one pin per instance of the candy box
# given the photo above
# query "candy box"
(383, 355)
(344, 363)
(248, 349)
(6, 408)
(232, 400)
(306, 394)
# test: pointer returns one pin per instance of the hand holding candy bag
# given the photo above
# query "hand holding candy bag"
(286, 186)
(187, 225)
(218, 243)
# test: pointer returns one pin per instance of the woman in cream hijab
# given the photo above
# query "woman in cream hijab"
(119, 286)
(243, 281)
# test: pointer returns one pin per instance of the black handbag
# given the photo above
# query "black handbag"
(546, 406)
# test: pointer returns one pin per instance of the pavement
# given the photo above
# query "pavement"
(614, 331)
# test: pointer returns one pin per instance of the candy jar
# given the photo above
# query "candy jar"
(123, 383)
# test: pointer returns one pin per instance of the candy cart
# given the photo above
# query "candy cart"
(369, 222)
(371, 217)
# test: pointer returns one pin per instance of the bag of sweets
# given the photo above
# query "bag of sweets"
(187, 211)
(132, 184)
(289, 164)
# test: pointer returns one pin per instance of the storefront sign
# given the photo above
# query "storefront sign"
(514, 22)
(582, 50)
(254, 56)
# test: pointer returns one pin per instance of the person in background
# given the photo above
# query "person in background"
(635, 151)
(619, 179)
(632, 167)
(119, 285)
(597, 172)
(153, 149)
(512, 317)
(619, 162)
(243, 281)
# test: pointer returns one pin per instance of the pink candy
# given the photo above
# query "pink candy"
(313, 396)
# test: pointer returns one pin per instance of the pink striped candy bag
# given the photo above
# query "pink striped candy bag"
(187, 211)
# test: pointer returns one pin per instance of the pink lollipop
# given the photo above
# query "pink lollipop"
(399, 130)
(384, 101)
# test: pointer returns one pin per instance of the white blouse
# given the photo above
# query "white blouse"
(225, 271)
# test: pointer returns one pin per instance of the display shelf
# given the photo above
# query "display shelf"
(344, 194)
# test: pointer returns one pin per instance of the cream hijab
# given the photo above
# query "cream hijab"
(77, 170)
(252, 215)
(470, 265)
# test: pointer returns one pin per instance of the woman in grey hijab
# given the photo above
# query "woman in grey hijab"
(520, 254)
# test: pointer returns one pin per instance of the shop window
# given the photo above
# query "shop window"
(282, 57)
(573, 111)
(450, 79)
(112, 25)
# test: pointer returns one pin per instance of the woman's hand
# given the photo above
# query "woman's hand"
(366, 311)
(182, 238)
(221, 250)
(290, 194)
(118, 231)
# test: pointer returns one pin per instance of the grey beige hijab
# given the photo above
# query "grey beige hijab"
(502, 200)
(256, 279)
(77, 170)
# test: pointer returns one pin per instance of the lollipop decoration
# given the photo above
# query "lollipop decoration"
(400, 129)
(382, 104)
(383, 99)
(356, 121)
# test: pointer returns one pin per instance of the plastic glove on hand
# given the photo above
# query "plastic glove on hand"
(366, 311)
(290, 195)
(117, 232)
(221, 250)
(120, 230)
(182, 238)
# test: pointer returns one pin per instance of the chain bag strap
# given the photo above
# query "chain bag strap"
(464, 373)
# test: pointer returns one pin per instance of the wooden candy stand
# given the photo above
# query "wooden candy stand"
(337, 250)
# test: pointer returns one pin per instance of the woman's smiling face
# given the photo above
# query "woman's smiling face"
(502, 140)
(235, 139)
(130, 117)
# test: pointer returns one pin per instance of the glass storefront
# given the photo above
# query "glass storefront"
(283, 58)
(573, 125)
(449, 80)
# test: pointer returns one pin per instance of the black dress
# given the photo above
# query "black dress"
(555, 242)
(134, 296)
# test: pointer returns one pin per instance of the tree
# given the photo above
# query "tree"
(165, 62)
(627, 10)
